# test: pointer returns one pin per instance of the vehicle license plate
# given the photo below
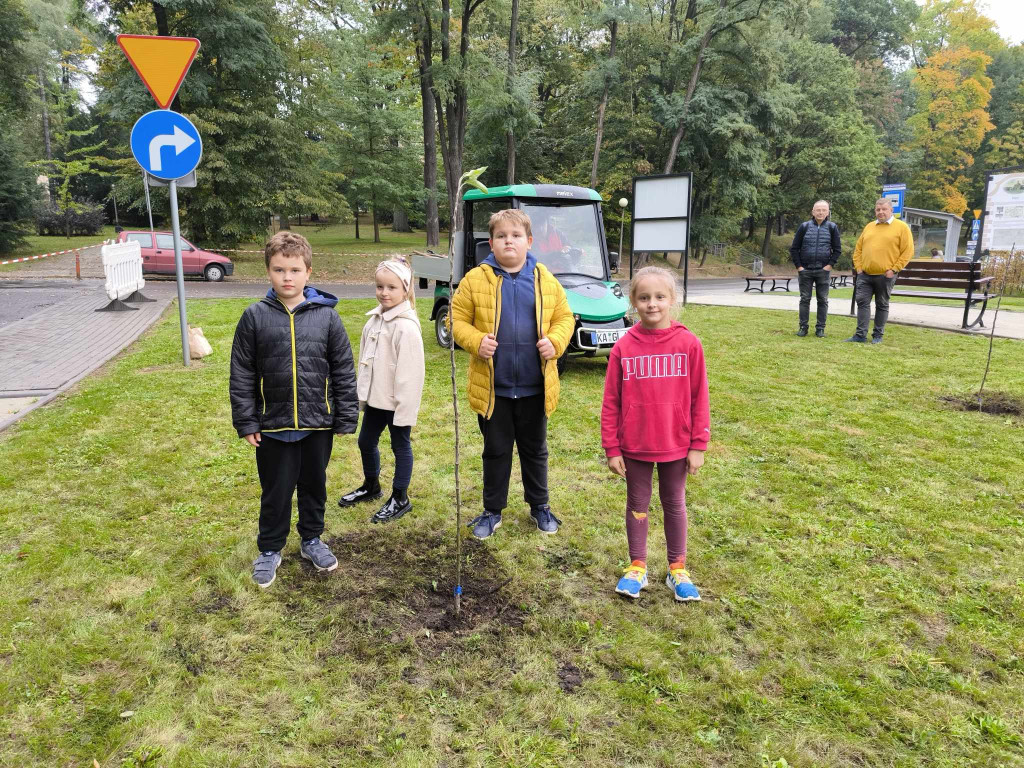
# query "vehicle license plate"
(608, 337)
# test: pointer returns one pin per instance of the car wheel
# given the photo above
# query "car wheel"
(441, 332)
(214, 273)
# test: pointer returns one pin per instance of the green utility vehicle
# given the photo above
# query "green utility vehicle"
(568, 238)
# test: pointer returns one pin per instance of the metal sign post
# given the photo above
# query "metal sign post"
(661, 218)
(162, 63)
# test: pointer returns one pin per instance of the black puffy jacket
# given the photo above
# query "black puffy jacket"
(815, 246)
(292, 370)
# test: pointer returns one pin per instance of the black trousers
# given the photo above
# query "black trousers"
(285, 468)
(520, 421)
(818, 280)
(374, 421)
(880, 288)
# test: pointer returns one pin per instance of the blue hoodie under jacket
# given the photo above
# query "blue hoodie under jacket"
(517, 368)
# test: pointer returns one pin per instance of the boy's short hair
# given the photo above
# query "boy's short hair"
(512, 216)
(288, 243)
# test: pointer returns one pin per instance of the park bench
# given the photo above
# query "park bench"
(949, 281)
(839, 279)
(762, 279)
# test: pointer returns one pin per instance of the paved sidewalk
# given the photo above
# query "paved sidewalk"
(945, 318)
(50, 351)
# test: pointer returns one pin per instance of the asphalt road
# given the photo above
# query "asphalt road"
(21, 298)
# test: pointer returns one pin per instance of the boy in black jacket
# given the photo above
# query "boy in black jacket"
(293, 387)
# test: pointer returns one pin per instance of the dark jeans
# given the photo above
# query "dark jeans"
(880, 287)
(283, 468)
(374, 421)
(521, 421)
(818, 280)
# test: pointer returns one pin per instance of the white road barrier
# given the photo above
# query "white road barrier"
(122, 265)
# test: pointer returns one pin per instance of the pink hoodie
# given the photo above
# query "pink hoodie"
(656, 395)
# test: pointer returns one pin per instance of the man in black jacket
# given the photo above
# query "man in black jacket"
(292, 387)
(815, 250)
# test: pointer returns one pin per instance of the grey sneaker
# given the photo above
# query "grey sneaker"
(486, 524)
(318, 554)
(264, 568)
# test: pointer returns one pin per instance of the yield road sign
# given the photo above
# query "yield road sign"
(166, 144)
(161, 62)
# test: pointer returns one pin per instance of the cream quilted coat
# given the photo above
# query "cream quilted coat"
(476, 312)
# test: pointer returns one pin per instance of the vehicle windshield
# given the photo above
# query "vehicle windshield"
(565, 238)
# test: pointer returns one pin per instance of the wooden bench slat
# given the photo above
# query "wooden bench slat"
(962, 285)
(948, 266)
(950, 296)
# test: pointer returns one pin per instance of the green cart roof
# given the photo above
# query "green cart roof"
(544, 191)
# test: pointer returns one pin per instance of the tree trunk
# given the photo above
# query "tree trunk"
(46, 134)
(400, 222)
(160, 15)
(600, 110)
(510, 135)
(376, 223)
(782, 224)
(767, 236)
(424, 53)
(357, 222)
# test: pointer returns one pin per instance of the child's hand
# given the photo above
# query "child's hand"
(617, 465)
(546, 348)
(254, 439)
(694, 461)
(487, 346)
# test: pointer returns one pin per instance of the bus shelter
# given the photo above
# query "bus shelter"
(934, 229)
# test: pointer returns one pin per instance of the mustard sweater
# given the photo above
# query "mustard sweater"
(883, 246)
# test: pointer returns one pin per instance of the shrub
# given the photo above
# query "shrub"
(81, 218)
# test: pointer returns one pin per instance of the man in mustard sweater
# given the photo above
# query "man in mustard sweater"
(883, 249)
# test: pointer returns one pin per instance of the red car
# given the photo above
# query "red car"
(160, 259)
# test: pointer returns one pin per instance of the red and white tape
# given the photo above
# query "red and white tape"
(45, 255)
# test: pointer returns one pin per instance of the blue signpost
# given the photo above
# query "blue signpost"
(896, 194)
(168, 147)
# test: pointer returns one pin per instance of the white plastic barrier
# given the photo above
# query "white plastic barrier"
(122, 265)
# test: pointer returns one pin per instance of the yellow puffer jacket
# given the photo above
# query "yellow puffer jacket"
(476, 312)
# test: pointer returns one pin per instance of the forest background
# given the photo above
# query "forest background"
(325, 108)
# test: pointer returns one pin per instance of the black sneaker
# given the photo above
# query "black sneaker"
(820, 333)
(857, 339)
(802, 332)
(545, 520)
(368, 491)
(486, 524)
(392, 510)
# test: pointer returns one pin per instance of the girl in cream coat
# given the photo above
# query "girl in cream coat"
(390, 386)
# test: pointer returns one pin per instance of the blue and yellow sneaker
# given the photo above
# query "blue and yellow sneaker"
(678, 581)
(634, 579)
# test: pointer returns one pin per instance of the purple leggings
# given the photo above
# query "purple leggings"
(671, 490)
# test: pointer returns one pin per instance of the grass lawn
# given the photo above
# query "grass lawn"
(857, 540)
(337, 255)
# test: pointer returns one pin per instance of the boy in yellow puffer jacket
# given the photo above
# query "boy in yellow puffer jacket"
(513, 317)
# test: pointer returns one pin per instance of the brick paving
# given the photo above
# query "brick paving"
(54, 348)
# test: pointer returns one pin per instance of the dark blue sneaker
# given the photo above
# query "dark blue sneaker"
(319, 554)
(876, 339)
(486, 524)
(264, 568)
(857, 339)
(545, 520)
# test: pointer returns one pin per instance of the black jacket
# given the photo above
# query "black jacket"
(813, 246)
(292, 370)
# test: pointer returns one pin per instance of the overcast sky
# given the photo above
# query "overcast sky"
(1008, 15)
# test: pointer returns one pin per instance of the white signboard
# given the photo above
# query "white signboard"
(1004, 212)
(661, 212)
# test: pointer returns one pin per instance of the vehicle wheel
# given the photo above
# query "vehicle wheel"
(441, 332)
(214, 273)
(562, 362)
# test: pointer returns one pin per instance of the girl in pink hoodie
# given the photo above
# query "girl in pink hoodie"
(656, 411)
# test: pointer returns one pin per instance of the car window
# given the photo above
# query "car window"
(144, 239)
(164, 241)
(566, 238)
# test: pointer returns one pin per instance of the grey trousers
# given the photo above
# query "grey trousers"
(818, 280)
(880, 287)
